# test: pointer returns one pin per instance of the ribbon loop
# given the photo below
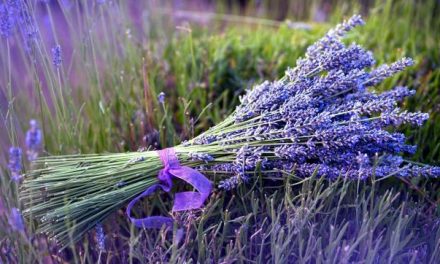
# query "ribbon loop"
(183, 200)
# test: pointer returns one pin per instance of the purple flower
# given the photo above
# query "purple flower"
(14, 165)
(15, 220)
(200, 156)
(19, 16)
(384, 71)
(397, 118)
(100, 236)
(57, 56)
(425, 171)
(331, 41)
(7, 21)
(204, 140)
(161, 97)
(229, 183)
(362, 160)
(33, 140)
(347, 59)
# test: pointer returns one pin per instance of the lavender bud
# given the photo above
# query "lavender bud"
(57, 56)
(200, 157)
(384, 71)
(15, 155)
(6, 21)
(331, 41)
(100, 236)
(15, 220)
(397, 118)
(363, 160)
(161, 97)
(33, 140)
(229, 183)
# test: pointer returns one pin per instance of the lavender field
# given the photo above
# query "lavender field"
(261, 131)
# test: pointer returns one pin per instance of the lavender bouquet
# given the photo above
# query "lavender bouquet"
(320, 118)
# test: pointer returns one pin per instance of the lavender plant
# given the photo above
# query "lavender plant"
(33, 140)
(57, 56)
(15, 165)
(16, 221)
(321, 118)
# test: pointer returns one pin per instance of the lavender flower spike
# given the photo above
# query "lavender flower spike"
(161, 97)
(14, 165)
(200, 156)
(6, 21)
(33, 140)
(15, 220)
(100, 236)
(331, 39)
(384, 71)
(57, 56)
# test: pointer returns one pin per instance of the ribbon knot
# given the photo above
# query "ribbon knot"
(184, 200)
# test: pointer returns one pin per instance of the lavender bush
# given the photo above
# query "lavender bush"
(321, 118)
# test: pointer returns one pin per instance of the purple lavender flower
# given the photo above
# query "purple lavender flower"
(15, 220)
(363, 160)
(20, 18)
(398, 117)
(6, 21)
(229, 183)
(33, 140)
(425, 171)
(100, 236)
(203, 140)
(57, 56)
(14, 165)
(161, 97)
(331, 41)
(384, 71)
(347, 59)
(200, 156)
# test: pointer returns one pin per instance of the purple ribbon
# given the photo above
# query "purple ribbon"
(183, 200)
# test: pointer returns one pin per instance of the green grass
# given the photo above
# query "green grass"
(105, 101)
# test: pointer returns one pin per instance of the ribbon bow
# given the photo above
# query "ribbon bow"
(183, 200)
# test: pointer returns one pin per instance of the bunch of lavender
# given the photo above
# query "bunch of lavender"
(319, 118)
